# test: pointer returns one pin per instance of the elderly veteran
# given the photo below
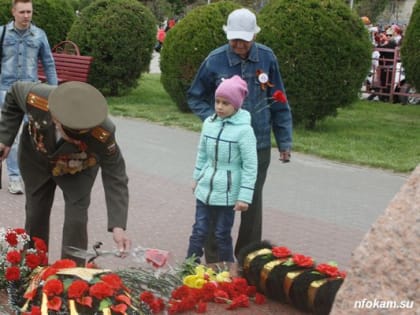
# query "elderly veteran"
(67, 138)
(258, 66)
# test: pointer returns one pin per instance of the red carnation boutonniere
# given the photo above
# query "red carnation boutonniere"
(278, 96)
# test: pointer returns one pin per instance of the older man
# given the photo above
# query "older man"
(258, 66)
(67, 139)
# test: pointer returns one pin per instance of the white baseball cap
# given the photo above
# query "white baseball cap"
(241, 24)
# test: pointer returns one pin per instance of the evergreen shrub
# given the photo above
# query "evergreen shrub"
(410, 49)
(120, 35)
(54, 17)
(323, 51)
(188, 43)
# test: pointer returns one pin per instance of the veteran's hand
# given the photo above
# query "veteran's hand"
(122, 241)
(285, 156)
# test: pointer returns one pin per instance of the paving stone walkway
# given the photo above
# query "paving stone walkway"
(313, 206)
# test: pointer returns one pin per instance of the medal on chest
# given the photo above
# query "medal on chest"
(37, 137)
(72, 163)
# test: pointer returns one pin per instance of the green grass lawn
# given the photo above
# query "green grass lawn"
(376, 134)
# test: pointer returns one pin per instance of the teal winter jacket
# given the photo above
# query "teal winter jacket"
(226, 165)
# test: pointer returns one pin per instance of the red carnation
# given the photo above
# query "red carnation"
(43, 258)
(240, 301)
(33, 261)
(85, 300)
(240, 285)
(101, 290)
(53, 287)
(147, 297)
(12, 273)
(64, 263)
(123, 298)
(119, 308)
(13, 257)
(180, 292)
(19, 231)
(207, 291)
(113, 280)
(279, 96)
(54, 304)
(220, 296)
(39, 244)
(11, 238)
(48, 272)
(77, 289)
(157, 306)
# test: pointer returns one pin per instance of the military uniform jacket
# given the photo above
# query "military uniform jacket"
(42, 154)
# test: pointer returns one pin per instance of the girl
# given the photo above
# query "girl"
(225, 169)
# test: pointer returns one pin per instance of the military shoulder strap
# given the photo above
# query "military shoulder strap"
(37, 101)
(100, 133)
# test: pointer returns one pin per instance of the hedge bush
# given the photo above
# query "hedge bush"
(324, 54)
(410, 49)
(187, 45)
(120, 35)
(54, 17)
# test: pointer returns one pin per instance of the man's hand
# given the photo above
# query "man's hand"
(285, 156)
(4, 151)
(122, 241)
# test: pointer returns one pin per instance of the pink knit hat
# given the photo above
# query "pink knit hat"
(233, 90)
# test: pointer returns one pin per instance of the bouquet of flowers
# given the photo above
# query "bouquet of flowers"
(17, 261)
(63, 288)
(190, 287)
(203, 286)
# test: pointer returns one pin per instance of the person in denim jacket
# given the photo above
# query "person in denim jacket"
(258, 66)
(23, 45)
(225, 169)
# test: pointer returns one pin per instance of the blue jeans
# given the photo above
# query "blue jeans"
(222, 217)
(12, 160)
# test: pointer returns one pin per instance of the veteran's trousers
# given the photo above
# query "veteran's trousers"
(40, 186)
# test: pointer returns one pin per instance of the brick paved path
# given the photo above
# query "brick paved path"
(313, 206)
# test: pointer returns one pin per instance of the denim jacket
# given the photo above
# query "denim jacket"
(266, 114)
(21, 54)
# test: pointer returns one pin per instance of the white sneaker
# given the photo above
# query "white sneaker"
(15, 187)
